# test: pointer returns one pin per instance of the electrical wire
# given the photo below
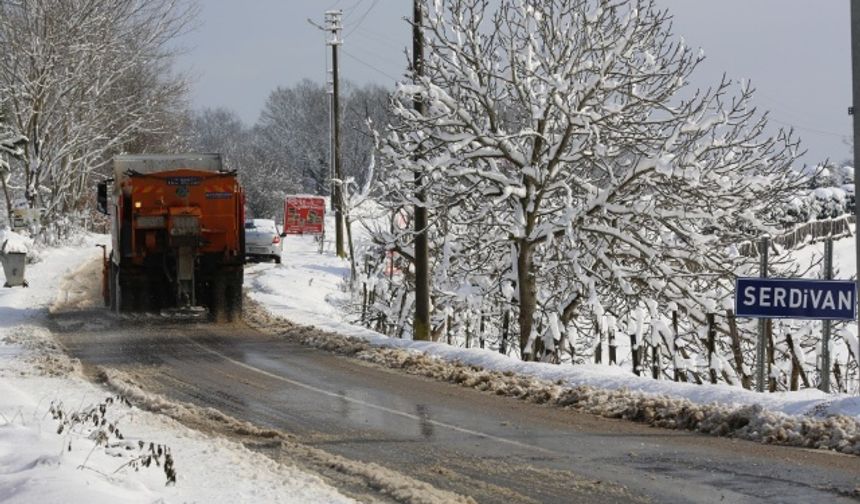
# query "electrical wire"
(378, 57)
(361, 19)
(811, 130)
(368, 65)
(376, 38)
(349, 10)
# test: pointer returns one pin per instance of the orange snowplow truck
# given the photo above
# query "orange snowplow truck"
(177, 224)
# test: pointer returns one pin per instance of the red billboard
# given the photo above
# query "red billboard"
(304, 215)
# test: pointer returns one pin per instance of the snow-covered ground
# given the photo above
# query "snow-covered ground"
(39, 465)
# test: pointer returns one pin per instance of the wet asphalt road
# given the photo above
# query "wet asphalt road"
(492, 448)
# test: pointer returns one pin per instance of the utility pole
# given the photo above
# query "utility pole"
(855, 74)
(333, 24)
(421, 324)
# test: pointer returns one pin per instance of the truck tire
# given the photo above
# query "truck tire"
(157, 294)
(125, 296)
(143, 297)
(234, 295)
(130, 291)
(218, 299)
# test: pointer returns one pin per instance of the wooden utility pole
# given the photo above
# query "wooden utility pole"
(333, 24)
(421, 324)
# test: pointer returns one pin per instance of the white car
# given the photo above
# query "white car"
(263, 240)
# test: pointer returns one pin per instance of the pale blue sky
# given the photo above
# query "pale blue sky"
(796, 52)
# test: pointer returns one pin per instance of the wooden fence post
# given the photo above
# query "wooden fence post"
(837, 375)
(737, 351)
(449, 322)
(712, 347)
(655, 362)
(635, 353)
(676, 337)
(771, 353)
(506, 324)
(612, 348)
(796, 366)
(481, 329)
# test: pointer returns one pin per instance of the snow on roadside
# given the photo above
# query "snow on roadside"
(39, 465)
(306, 290)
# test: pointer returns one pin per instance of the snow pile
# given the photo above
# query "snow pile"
(39, 354)
(12, 242)
(750, 421)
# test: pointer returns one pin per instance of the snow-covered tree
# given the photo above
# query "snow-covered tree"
(83, 80)
(294, 129)
(11, 146)
(577, 183)
(289, 148)
(219, 130)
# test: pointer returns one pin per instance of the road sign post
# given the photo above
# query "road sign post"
(825, 337)
(797, 298)
(764, 245)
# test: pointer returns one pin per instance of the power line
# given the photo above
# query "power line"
(375, 57)
(376, 37)
(361, 19)
(349, 10)
(368, 65)
(811, 130)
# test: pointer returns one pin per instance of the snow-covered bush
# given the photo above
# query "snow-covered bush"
(829, 193)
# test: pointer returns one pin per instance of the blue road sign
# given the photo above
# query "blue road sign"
(796, 298)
